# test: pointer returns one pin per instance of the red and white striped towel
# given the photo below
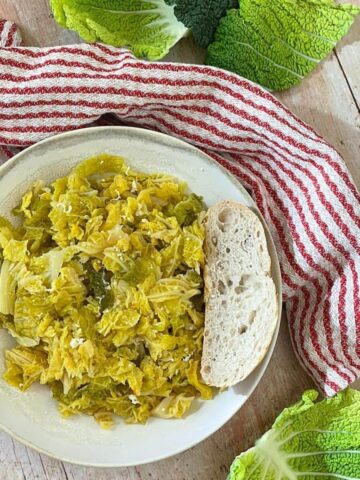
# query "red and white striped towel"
(299, 182)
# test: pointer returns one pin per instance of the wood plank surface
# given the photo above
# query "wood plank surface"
(348, 53)
(329, 101)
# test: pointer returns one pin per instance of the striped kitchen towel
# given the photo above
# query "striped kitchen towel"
(299, 182)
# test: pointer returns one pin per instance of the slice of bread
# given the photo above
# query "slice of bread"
(240, 296)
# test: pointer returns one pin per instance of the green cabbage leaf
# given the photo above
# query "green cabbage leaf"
(276, 43)
(308, 440)
(148, 27)
(187, 210)
(202, 16)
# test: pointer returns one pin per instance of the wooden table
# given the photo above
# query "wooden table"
(329, 100)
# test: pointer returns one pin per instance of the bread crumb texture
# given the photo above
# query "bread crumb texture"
(240, 295)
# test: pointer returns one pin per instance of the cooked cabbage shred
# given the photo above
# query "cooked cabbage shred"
(101, 288)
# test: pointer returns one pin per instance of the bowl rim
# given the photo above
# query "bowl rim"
(17, 160)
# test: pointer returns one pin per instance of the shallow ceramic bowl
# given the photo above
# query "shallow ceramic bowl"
(32, 417)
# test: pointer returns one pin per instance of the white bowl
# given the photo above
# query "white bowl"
(32, 417)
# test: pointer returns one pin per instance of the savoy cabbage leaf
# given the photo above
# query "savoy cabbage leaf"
(148, 28)
(187, 210)
(308, 440)
(276, 43)
(202, 16)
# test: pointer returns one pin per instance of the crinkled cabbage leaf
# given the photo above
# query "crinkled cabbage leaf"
(202, 16)
(148, 27)
(277, 43)
(308, 440)
(101, 287)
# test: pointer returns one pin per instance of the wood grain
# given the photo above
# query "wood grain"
(35, 20)
(348, 52)
(329, 101)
